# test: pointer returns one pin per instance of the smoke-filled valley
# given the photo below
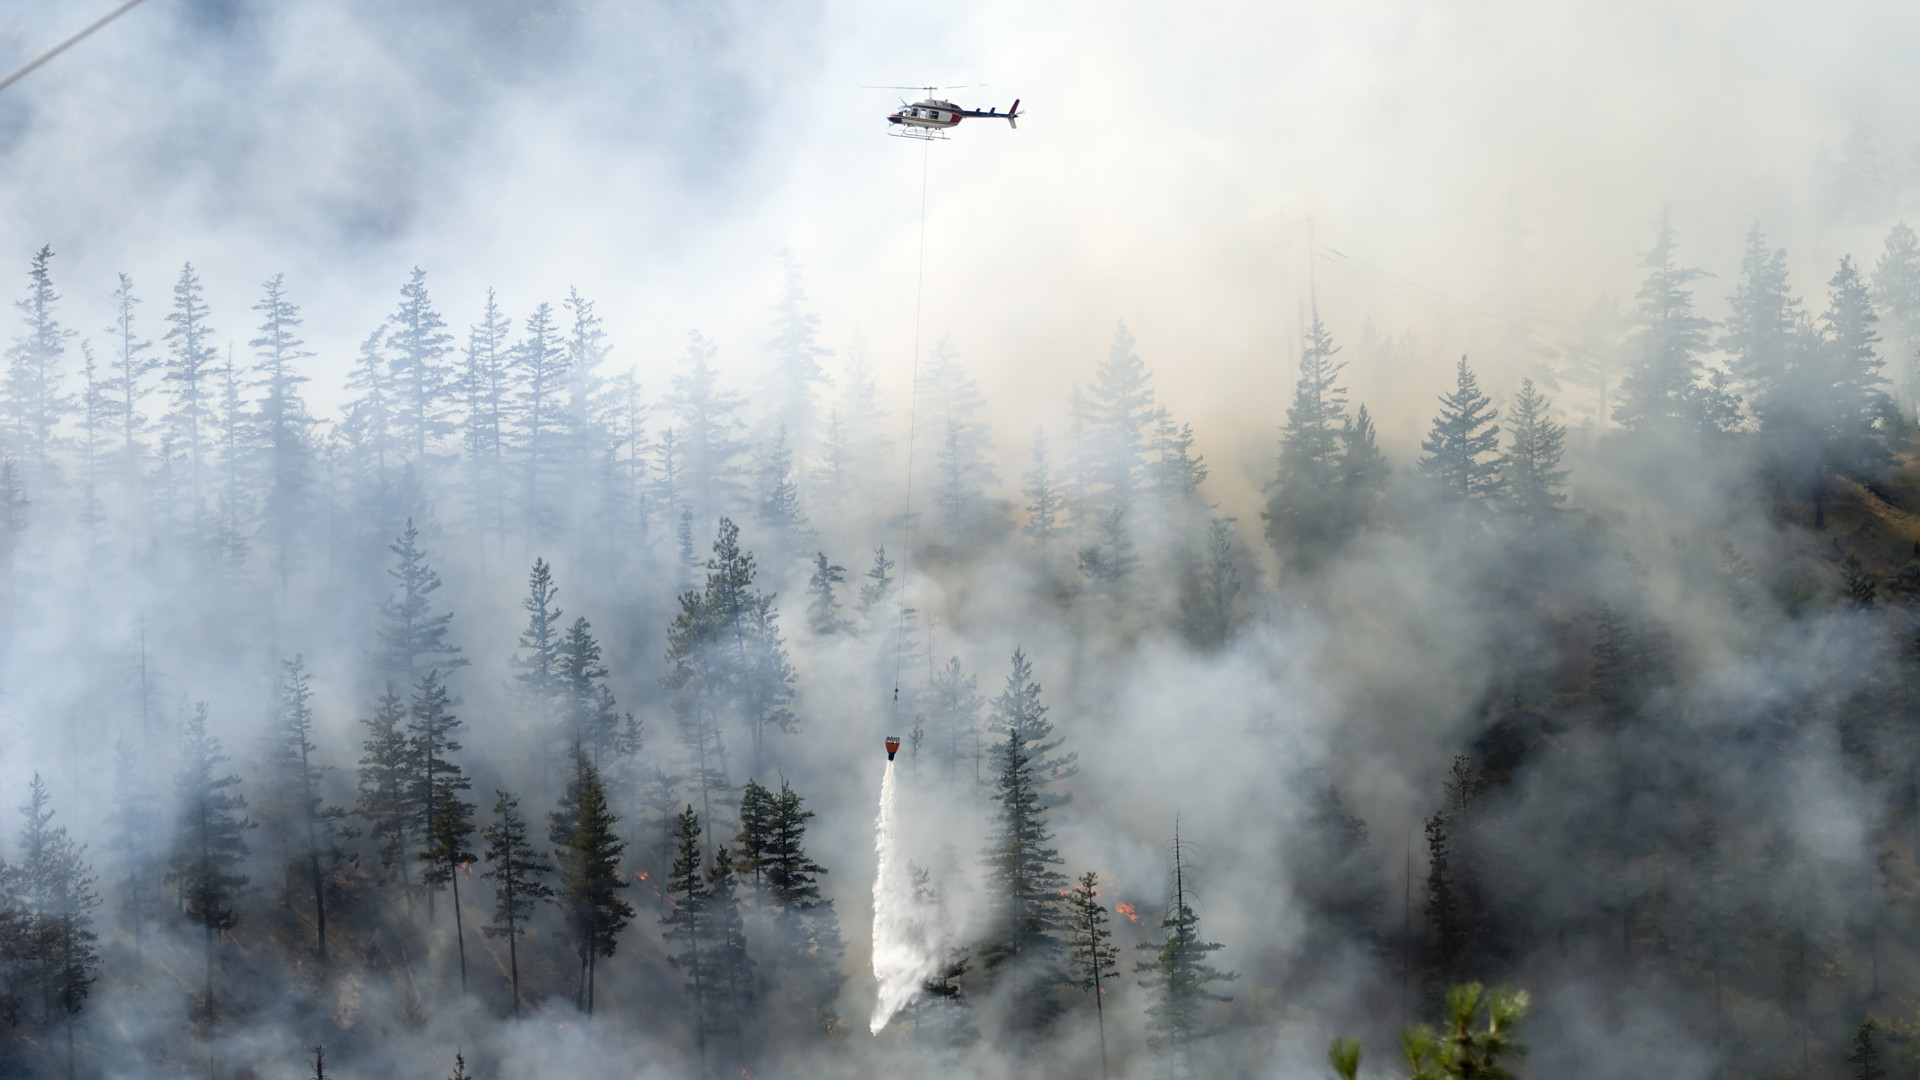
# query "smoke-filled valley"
(465, 554)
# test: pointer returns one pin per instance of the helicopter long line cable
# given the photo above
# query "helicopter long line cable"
(913, 399)
(27, 68)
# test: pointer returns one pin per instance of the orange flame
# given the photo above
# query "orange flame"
(1128, 911)
(641, 874)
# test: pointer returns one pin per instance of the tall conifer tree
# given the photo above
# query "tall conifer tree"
(192, 368)
(283, 425)
(1661, 390)
(210, 840)
(1531, 467)
(34, 401)
(1463, 446)
(1302, 498)
(518, 872)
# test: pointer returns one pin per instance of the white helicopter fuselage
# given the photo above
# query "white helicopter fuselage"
(939, 115)
(931, 118)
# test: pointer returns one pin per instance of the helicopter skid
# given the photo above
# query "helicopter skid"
(924, 134)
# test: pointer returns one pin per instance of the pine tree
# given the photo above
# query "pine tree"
(727, 943)
(953, 708)
(587, 849)
(130, 372)
(367, 429)
(1177, 475)
(1660, 392)
(823, 603)
(1531, 468)
(1017, 709)
(1109, 565)
(796, 355)
(630, 506)
(1452, 907)
(1854, 409)
(139, 830)
(191, 369)
(34, 402)
(779, 504)
(873, 596)
(297, 778)
(750, 844)
(386, 788)
(963, 471)
(414, 639)
(855, 447)
(726, 656)
(1046, 511)
(518, 872)
(942, 1015)
(1630, 658)
(57, 902)
(1463, 446)
(96, 412)
(1765, 331)
(16, 952)
(209, 842)
(14, 506)
(486, 395)
(1026, 889)
(421, 376)
(1091, 956)
(443, 822)
(1864, 1058)
(688, 564)
(445, 851)
(586, 441)
(282, 424)
(708, 432)
(1122, 415)
(1178, 974)
(1462, 1048)
(694, 671)
(1363, 472)
(1210, 590)
(589, 717)
(1301, 500)
(687, 923)
(540, 663)
(234, 453)
(540, 369)
(806, 932)
(1896, 293)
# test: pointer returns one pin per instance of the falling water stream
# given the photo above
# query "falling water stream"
(904, 956)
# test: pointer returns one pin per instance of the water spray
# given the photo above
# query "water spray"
(905, 955)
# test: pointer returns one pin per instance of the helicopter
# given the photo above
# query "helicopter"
(933, 117)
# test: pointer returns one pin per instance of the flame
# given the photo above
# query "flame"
(641, 874)
(1128, 911)
(468, 868)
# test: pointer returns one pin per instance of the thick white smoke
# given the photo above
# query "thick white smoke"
(905, 952)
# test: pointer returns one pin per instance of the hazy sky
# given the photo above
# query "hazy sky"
(1171, 159)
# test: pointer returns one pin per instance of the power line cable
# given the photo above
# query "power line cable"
(29, 66)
